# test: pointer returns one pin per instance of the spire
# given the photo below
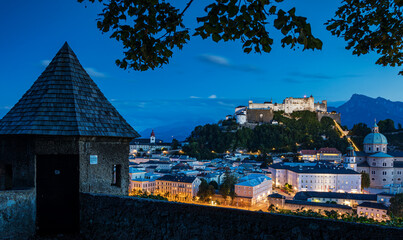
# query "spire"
(375, 129)
(152, 133)
(64, 100)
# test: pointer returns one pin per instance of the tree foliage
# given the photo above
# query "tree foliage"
(175, 144)
(371, 26)
(386, 126)
(396, 205)
(227, 188)
(151, 29)
(365, 180)
(303, 130)
(205, 190)
(360, 130)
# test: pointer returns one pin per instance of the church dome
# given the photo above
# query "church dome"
(375, 138)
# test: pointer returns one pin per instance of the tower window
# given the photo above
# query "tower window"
(116, 175)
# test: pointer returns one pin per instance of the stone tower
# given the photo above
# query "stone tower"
(63, 137)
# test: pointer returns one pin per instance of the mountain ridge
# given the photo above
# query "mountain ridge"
(361, 108)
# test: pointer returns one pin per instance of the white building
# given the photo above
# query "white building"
(143, 185)
(383, 168)
(376, 211)
(136, 173)
(291, 105)
(254, 186)
(349, 199)
(147, 144)
(178, 186)
(319, 176)
(323, 154)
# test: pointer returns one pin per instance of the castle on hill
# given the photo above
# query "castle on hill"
(256, 113)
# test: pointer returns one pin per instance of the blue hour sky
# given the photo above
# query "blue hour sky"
(202, 83)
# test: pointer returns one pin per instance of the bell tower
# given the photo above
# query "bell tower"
(152, 137)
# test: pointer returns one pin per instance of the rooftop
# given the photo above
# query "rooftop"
(303, 196)
(329, 150)
(373, 205)
(276, 195)
(317, 204)
(318, 168)
(177, 178)
(64, 100)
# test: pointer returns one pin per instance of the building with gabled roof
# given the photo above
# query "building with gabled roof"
(61, 138)
(256, 187)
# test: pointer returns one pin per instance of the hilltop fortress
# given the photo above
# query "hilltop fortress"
(256, 113)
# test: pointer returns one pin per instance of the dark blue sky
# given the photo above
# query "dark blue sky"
(203, 82)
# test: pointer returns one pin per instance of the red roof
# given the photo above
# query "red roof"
(308, 152)
(329, 150)
(152, 133)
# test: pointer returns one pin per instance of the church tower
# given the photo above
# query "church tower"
(152, 137)
(350, 159)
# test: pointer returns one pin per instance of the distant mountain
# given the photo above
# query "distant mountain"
(361, 108)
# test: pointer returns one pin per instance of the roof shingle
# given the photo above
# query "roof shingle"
(64, 100)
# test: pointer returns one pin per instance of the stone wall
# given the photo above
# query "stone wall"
(119, 217)
(17, 214)
(332, 115)
(97, 178)
(259, 115)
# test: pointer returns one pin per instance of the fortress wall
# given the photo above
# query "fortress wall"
(119, 217)
(17, 214)
(334, 116)
(259, 115)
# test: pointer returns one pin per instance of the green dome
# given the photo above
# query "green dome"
(375, 138)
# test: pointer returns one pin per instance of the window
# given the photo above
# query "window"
(116, 175)
(373, 172)
(383, 173)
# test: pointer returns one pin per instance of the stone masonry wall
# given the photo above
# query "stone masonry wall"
(334, 116)
(119, 217)
(17, 214)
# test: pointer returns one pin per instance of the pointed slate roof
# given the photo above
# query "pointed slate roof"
(64, 100)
